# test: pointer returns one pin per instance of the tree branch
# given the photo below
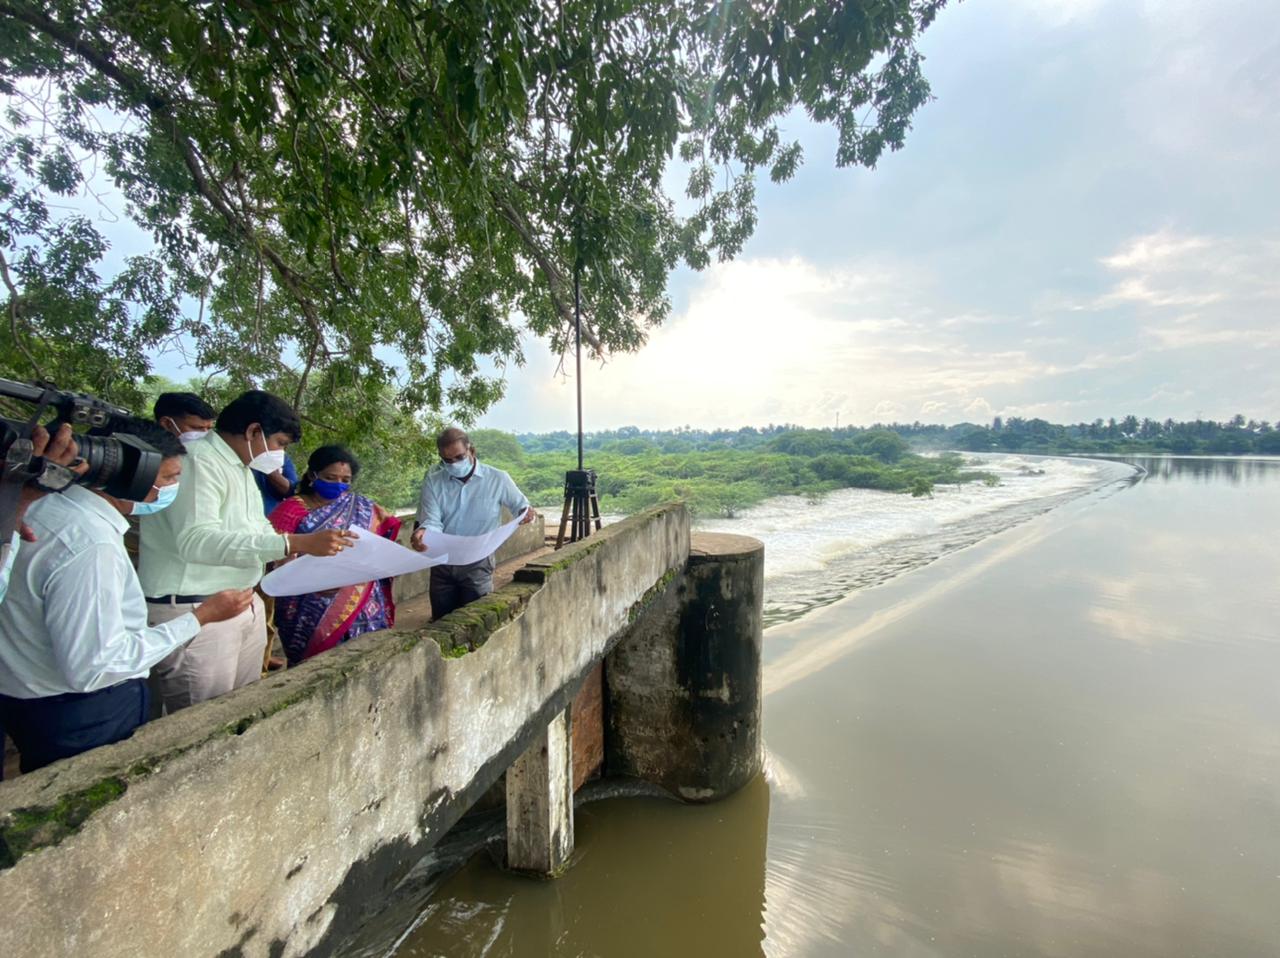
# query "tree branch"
(556, 281)
(13, 316)
(69, 37)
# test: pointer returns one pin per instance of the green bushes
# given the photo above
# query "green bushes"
(636, 472)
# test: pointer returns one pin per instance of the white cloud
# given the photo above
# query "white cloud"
(1059, 13)
(979, 410)
(1193, 291)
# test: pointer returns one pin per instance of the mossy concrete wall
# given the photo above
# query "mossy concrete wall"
(272, 821)
(683, 686)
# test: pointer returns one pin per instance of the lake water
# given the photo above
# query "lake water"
(1045, 721)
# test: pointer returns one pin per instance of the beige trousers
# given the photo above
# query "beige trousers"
(223, 656)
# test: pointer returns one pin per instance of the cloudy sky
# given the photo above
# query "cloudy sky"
(1084, 223)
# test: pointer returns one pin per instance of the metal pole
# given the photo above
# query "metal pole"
(577, 325)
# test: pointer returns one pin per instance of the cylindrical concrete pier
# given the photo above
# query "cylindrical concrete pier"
(684, 686)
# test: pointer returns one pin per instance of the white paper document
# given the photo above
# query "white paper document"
(372, 557)
(464, 550)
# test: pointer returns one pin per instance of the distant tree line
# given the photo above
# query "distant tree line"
(1236, 436)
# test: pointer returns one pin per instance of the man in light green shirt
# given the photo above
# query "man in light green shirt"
(214, 537)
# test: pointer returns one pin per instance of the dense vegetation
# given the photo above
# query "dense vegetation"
(715, 476)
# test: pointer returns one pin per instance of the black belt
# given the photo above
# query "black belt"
(176, 599)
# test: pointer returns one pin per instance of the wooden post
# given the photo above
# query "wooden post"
(540, 802)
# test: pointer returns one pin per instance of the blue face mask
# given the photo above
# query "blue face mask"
(460, 469)
(164, 498)
(330, 490)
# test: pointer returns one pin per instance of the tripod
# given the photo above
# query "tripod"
(581, 507)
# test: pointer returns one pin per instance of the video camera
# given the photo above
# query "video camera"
(121, 465)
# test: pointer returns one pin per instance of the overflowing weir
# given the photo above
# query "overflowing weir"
(275, 820)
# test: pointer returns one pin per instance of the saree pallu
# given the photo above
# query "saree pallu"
(316, 622)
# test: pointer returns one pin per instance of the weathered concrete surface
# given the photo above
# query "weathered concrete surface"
(683, 686)
(588, 727)
(271, 821)
(540, 801)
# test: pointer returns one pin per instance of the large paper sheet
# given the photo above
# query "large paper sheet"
(372, 557)
(464, 550)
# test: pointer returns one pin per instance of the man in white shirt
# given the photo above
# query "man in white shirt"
(75, 647)
(62, 450)
(215, 537)
(462, 497)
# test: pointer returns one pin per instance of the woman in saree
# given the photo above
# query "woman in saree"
(316, 622)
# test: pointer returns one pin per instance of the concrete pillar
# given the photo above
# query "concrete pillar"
(540, 802)
(683, 687)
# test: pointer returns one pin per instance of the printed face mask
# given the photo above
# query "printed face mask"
(267, 461)
(164, 498)
(330, 490)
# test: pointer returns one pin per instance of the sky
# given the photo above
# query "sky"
(1083, 223)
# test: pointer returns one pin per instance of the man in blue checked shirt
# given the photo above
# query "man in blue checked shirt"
(462, 497)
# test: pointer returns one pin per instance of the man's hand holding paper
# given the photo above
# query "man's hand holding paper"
(464, 550)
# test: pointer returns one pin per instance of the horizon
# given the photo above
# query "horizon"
(791, 426)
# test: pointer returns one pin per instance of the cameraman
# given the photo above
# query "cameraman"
(75, 647)
(61, 449)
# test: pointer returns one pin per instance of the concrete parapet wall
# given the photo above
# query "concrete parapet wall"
(269, 821)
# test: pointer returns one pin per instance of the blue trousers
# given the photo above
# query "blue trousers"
(59, 726)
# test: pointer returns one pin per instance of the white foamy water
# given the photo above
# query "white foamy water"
(818, 551)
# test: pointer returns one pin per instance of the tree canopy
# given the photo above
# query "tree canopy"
(356, 199)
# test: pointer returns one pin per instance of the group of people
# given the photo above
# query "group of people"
(91, 648)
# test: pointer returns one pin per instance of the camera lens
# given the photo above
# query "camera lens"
(102, 453)
(122, 465)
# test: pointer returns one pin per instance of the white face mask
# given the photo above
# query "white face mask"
(9, 556)
(267, 461)
(193, 435)
(460, 469)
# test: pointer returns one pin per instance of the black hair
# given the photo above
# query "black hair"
(323, 458)
(256, 406)
(450, 436)
(164, 442)
(174, 405)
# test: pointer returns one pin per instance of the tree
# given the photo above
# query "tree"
(347, 185)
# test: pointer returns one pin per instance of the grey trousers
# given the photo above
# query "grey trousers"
(223, 656)
(453, 586)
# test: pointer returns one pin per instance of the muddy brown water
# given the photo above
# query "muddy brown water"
(1063, 740)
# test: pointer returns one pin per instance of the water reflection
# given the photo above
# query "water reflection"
(708, 900)
(1233, 469)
